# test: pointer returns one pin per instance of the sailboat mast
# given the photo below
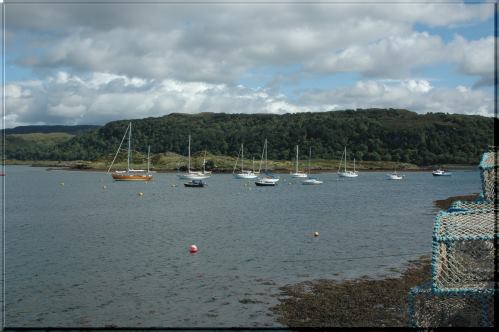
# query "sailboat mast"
(119, 148)
(297, 159)
(204, 162)
(189, 163)
(309, 157)
(129, 146)
(148, 153)
(345, 159)
(266, 160)
(242, 158)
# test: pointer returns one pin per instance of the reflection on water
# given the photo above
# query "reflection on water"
(92, 252)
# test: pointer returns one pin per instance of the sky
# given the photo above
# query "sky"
(91, 63)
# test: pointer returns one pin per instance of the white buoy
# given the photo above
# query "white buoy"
(141, 193)
(62, 183)
(316, 234)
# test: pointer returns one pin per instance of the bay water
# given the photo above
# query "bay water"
(83, 250)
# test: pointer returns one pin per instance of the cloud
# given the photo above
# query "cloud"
(415, 95)
(218, 43)
(104, 97)
(474, 57)
(95, 63)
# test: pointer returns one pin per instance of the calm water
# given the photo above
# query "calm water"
(81, 255)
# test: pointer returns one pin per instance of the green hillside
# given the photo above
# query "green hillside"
(35, 145)
(370, 135)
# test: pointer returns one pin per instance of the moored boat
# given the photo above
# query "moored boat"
(311, 180)
(441, 172)
(194, 175)
(268, 179)
(297, 173)
(266, 182)
(130, 174)
(243, 174)
(395, 176)
(346, 173)
(195, 184)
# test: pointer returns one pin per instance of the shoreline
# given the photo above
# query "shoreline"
(359, 302)
(83, 166)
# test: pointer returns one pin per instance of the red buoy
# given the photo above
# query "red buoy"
(193, 249)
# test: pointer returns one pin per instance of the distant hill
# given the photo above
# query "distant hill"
(369, 134)
(75, 130)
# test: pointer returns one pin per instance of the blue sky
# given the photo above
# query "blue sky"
(93, 63)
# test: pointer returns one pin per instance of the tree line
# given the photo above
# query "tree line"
(369, 134)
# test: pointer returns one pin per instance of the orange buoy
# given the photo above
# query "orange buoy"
(193, 249)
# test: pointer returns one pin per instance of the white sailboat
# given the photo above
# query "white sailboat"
(345, 173)
(243, 174)
(194, 175)
(268, 179)
(311, 180)
(297, 173)
(130, 174)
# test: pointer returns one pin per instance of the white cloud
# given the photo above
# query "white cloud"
(87, 102)
(125, 60)
(414, 95)
(219, 43)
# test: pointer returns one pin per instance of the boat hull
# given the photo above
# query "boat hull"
(265, 184)
(245, 176)
(193, 176)
(394, 177)
(311, 182)
(194, 185)
(348, 174)
(441, 173)
(270, 180)
(132, 177)
(298, 175)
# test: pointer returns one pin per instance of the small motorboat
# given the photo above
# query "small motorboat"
(195, 184)
(311, 181)
(395, 176)
(266, 182)
(441, 172)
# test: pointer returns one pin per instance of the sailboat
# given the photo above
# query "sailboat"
(243, 174)
(195, 175)
(311, 180)
(345, 173)
(130, 174)
(298, 174)
(268, 179)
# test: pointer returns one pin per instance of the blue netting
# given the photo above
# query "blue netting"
(487, 167)
(461, 292)
(428, 309)
(463, 252)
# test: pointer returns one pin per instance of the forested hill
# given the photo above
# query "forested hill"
(74, 130)
(372, 134)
